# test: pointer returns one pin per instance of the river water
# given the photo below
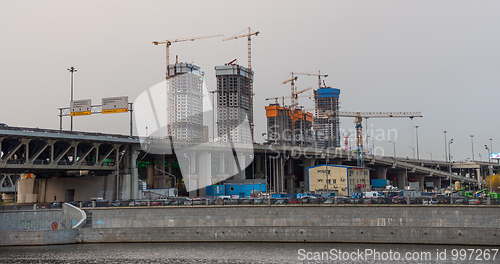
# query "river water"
(134, 253)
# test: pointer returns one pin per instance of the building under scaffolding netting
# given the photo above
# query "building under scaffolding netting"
(326, 119)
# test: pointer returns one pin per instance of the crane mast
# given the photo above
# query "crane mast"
(293, 89)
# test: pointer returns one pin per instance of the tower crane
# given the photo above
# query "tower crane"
(319, 75)
(358, 121)
(293, 90)
(249, 40)
(297, 95)
(169, 43)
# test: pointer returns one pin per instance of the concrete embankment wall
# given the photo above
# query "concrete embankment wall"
(359, 224)
(40, 227)
(31, 220)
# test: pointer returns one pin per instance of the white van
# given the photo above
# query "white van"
(373, 194)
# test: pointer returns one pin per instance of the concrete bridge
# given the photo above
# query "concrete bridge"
(81, 165)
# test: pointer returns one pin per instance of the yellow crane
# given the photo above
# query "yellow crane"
(319, 75)
(358, 121)
(169, 43)
(294, 93)
(293, 89)
(249, 40)
(297, 95)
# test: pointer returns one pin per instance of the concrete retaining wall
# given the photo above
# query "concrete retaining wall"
(457, 236)
(358, 224)
(16, 238)
(361, 224)
(29, 220)
(41, 227)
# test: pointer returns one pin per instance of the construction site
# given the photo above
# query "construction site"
(196, 165)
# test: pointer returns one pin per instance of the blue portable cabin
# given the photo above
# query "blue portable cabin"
(215, 190)
(244, 190)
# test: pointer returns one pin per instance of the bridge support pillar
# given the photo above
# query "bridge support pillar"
(259, 167)
(402, 178)
(307, 163)
(204, 175)
(290, 177)
(134, 174)
(26, 189)
(381, 173)
(437, 182)
(479, 177)
(109, 187)
(421, 182)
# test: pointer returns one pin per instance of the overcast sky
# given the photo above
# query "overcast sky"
(438, 57)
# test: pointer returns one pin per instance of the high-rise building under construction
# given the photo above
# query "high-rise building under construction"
(234, 103)
(185, 102)
(326, 119)
(286, 126)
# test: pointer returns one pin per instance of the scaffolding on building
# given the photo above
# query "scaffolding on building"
(287, 126)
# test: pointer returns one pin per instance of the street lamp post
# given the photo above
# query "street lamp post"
(449, 157)
(489, 152)
(416, 134)
(449, 169)
(472, 145)
(72, 70)
(491, 145)
(445, 147)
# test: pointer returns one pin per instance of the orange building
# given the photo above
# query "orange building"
(289, 127)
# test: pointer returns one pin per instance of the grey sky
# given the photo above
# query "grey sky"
(438, 57)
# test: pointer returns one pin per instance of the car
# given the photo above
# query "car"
(430, 201)
(329, 201)
(156, 203)
(3, 125)
(258, 201)
(294, 201)
(356, 201)
(116, 204)
(279, 201)
(459, 201)
(199, 201)
(474, 202)
(342, 200)
(245, 201)
(138, 203)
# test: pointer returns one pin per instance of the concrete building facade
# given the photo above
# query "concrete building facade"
(344, 180)
(234, 103)
(185, 102)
